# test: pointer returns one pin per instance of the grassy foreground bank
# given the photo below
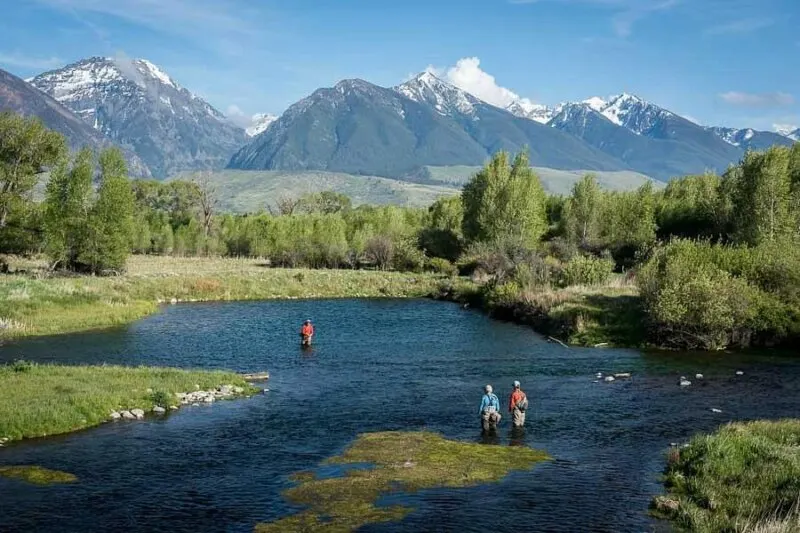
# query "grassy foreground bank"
(745, 478)
(41, 400)
(35, 304)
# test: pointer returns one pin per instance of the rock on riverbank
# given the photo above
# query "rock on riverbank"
(225, 392)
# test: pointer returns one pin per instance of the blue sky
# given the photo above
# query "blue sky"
(720, 62)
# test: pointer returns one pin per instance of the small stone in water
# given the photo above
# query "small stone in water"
(698, 376)
(739, 373)
(138, 413)
(610, 378)
(159, 410)
(685, 383)
(714, 410)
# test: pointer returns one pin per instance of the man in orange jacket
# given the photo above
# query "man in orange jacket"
(517, 405)
(306, 332)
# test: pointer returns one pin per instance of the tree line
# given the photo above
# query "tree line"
(714, 256)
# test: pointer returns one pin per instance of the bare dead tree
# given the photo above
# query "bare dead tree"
(284, 205)
(207, 198)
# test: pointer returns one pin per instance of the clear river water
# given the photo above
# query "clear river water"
(379, 365)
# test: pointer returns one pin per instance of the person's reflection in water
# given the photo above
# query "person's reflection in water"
(490, 437)
(517, 436)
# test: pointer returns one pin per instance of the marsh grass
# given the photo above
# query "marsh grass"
(41, 400)
(37, 475)
(401, 462)
(745, 478)
(38, 304)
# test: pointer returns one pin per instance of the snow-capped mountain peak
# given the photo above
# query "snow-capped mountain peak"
(596, 103)
(149, 69)
(261, 121)
(526, 109)
(447, 99)
(138, 105)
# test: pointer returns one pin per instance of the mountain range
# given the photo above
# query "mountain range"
(357, 127)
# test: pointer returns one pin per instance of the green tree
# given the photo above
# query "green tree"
(26, 149)
(111, 220)
(504, 200)
(583, 210)
(762, 197)
(67, 205)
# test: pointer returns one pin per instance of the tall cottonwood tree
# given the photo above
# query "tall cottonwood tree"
(110, 228)
(27, 147)
(762, 197)
(583, 210)
(504, 200)
(67, 206)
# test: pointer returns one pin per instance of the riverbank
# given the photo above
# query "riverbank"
(41, 400)
(603, 315)
(35, 303)
(743, 478)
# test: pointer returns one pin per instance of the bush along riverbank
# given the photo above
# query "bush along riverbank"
(608, 314)
(745, 478)
(41, 400)
(42, 305)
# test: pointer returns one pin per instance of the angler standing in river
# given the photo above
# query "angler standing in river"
(517, 405)
(306, 333)
(490, 410)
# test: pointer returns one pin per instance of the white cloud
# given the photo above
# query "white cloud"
(776, 99)
(15, 59)
(625, 12)
(219, 24)
(741, 26)
(238, 117)
(785, 129)
(468, 75)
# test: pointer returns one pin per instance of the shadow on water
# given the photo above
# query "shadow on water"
(223, 467)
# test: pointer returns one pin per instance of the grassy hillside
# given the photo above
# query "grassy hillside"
(247, 191)
(554, 181)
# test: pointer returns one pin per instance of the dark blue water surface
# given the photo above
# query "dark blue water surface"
(378, 365)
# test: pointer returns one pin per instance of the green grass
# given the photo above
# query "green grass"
(399, 462)
(243, 191)
(37, 475)
(31, 305)
(41, 400)
(608, 314)
(554, 181)
(743, 478)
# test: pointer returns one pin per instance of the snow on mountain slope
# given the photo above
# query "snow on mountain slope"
(446, 99)
(261, 121)
(750, 139)
(138, 105)
(527, 109)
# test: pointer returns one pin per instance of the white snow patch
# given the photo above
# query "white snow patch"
(260, 123)
(146, 67)
(596, 103)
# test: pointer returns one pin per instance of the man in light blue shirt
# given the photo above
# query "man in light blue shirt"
(490, 410)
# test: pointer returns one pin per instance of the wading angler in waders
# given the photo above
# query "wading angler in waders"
(490, 410)
(306, 333)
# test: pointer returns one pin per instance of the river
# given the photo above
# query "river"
(378, 365)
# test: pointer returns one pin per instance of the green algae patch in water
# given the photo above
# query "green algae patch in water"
(401, 462)
(37, 475)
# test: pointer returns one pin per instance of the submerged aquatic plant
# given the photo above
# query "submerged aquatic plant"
(400, 462)
(37, 475)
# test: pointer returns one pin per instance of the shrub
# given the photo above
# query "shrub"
(162, 399)
(441, 266)
(501, 294)
(583, 270)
